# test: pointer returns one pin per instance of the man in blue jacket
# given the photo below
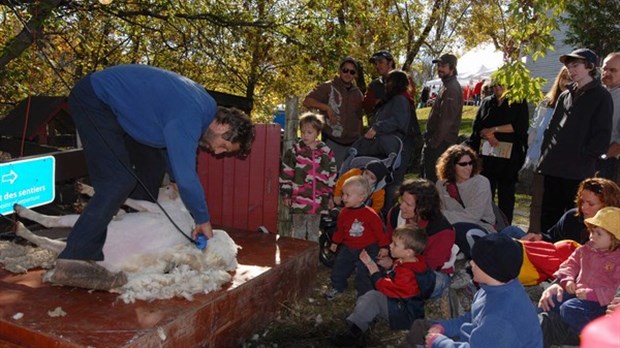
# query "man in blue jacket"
(134, 122)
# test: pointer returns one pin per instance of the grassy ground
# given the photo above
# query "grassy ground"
(469, 113)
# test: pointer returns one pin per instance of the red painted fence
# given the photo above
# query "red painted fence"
(243, 193)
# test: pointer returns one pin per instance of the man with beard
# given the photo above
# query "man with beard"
(134, 121)
(444, 120)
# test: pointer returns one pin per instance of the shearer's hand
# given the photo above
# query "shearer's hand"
(205, 229)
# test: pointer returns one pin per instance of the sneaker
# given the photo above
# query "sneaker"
(85, 274)
(348, 339)
(354, 337)
(332, 294)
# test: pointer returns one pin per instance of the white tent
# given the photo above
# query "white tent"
(478, 63)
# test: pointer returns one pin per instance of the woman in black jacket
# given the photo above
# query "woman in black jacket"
(499, 135)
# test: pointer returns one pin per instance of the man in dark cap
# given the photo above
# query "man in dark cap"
(578, 133)
(384, 63)
(442, 127)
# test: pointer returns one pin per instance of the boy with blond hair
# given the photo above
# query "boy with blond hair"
(359, 228)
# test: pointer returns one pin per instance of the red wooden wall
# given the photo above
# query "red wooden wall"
(243, 193)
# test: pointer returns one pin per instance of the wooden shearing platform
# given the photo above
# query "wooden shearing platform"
(270, 271)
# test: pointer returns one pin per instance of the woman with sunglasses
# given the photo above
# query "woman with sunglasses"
(340, 102)
(593, 194)
(499, 136)
(465, 195)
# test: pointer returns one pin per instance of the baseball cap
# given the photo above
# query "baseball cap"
(446, 59)
(348, 59)
(581, 53)
(383, 54)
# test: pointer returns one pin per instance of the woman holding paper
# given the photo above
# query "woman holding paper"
(500, 137)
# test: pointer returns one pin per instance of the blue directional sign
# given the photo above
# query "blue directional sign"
(28, 182)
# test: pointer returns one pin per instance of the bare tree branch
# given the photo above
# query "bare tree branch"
(26, 37)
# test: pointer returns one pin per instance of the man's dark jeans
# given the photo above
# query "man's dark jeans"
(109, 166)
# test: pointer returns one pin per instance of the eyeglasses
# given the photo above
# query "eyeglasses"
(465, 164)
(348, 71)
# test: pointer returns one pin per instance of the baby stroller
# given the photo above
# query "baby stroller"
(327, 226)
(392, 161)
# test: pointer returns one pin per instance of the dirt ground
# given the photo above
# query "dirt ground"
(313, 320)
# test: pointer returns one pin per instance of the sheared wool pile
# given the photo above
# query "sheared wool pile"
(182, 271)
(17, 258)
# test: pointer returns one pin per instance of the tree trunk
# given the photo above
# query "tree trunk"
(415, 48)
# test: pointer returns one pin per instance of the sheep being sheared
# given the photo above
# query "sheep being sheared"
(159, 262)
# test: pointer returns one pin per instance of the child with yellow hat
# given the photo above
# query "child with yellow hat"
(588, 279)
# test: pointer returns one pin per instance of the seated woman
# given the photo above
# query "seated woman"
(592, 195)
(392, 121)
(465, 195)
(420, 205)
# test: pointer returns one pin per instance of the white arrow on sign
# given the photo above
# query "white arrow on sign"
(11, 177)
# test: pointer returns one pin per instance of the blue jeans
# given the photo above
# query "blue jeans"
(513, 232)
(109, 166)
(347, 261)
(577, 313)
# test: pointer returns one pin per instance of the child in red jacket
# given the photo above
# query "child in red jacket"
(358, 228)
(397, 297)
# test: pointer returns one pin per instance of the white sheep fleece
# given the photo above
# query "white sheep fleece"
(178, 271)
(181, 271)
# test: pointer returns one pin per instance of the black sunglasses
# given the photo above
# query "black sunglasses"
(465, 164)
(348, 71)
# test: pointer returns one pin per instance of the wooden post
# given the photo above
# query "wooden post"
(291, 125)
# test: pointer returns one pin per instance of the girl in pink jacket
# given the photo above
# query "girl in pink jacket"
(591, 274)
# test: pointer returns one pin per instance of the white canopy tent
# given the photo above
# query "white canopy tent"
(476, 64)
